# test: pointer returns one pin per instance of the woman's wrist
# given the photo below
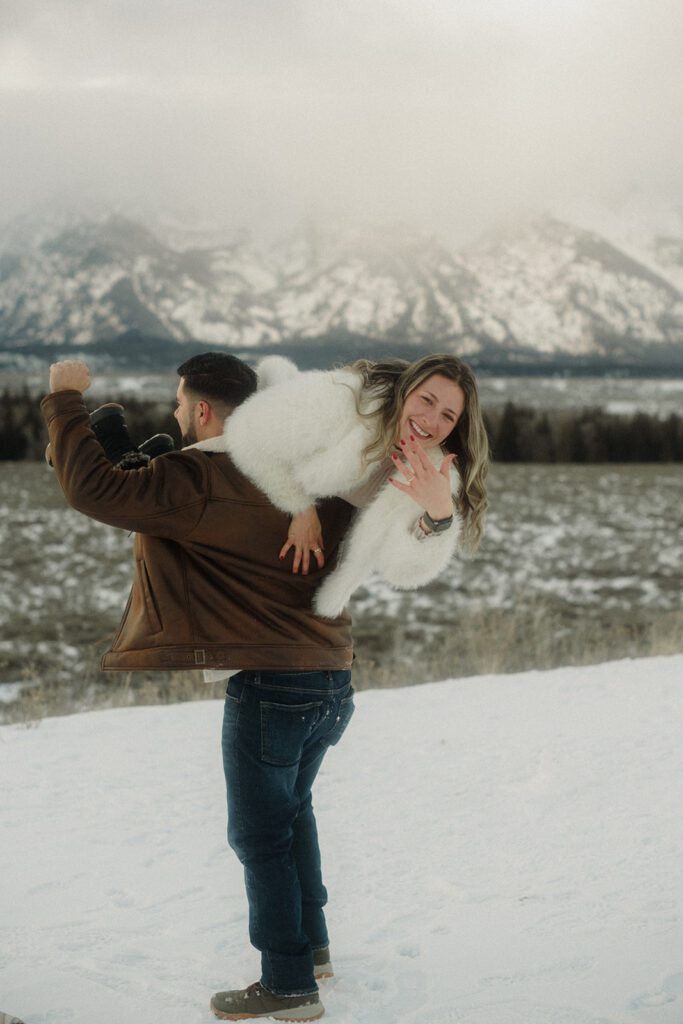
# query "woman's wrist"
(445, 512)
(429, 525)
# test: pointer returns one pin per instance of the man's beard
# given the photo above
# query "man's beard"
(190, 437)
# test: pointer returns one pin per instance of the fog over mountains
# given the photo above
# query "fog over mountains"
(540, 291)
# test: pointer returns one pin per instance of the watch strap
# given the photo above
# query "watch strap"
(437, 525)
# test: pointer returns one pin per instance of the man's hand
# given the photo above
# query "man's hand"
(68, 375)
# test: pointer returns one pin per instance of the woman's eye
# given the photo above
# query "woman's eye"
(427, 399)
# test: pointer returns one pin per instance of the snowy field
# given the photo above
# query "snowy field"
(498, 850)
(578, 542)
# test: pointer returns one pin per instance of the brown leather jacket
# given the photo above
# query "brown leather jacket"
(209, 590)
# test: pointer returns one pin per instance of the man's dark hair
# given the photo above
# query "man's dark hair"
(218, 377)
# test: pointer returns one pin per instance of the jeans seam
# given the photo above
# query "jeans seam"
(301, 689)
(290, 995)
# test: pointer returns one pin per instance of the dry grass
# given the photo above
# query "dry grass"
(542, 637)
(579, 565)
(490, 642)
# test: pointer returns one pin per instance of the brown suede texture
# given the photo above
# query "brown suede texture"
(209, 589)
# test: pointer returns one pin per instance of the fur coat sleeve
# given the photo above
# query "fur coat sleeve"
(301, 438)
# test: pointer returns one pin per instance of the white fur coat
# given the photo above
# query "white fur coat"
(300, 438)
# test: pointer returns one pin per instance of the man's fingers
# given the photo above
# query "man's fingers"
(69, 373)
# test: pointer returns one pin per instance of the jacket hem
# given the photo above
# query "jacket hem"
(229, 656)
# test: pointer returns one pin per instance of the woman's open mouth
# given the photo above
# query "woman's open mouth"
(418, 430)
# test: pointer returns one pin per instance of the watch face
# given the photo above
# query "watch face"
(442, 525)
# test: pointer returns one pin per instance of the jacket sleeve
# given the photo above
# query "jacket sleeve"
(275, 436)
(164, 499)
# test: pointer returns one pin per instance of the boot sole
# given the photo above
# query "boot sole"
(285, 1015)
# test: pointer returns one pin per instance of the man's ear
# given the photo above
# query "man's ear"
(204, 411)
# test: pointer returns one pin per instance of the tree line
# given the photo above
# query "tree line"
(23, 433)
(517, 433)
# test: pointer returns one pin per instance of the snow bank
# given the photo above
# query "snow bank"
(498, 850)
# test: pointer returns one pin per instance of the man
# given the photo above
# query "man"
(211, 593)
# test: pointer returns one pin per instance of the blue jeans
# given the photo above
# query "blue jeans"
(277, 727)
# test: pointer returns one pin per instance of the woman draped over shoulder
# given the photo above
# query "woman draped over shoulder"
(403, 442)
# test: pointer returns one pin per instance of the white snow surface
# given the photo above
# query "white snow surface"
(498, 850)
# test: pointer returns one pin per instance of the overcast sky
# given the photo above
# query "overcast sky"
(449, 114)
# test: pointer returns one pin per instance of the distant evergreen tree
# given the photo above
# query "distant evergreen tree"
(672, 438)
(570, 445)
(13, 443)
(645, 445)
(506, 447)
(544, 448)
(594, 436)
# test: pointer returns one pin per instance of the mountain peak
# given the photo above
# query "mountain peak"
(539, 287)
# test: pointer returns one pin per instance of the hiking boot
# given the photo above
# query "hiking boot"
(257, 1001)
(322, 967)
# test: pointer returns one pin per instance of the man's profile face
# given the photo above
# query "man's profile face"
(184, 413)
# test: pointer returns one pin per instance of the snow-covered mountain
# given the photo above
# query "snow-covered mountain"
(540, 290)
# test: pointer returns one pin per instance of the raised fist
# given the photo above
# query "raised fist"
(69, 374)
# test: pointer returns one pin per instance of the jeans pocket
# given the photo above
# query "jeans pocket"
(233, 691)
(346, 710)
(284, 730)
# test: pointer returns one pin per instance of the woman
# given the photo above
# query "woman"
(342, 432)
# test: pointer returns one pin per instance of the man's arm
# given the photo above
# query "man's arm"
(165, 499)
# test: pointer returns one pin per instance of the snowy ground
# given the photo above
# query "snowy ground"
(499, 850)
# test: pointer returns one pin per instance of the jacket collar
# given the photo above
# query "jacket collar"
(209, 444)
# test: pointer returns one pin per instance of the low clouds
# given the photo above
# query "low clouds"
(447, 114)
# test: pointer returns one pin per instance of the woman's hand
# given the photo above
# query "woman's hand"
(306, 537)
(428, 486)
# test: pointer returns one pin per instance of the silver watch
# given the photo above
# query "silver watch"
(436, 525)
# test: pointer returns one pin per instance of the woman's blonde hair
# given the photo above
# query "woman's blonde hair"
(391, 382)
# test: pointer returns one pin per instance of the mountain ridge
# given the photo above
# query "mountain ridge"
(543, 290)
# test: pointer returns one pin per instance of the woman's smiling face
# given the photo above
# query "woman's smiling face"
(431, 410)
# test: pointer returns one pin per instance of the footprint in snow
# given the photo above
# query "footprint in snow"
(408, 949)
(517, 1012)
(671, 990)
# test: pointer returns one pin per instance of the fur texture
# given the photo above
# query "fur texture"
(301, 438)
